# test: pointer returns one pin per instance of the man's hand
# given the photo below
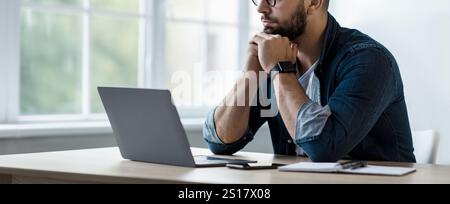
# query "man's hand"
(273, 49)
(252, 60)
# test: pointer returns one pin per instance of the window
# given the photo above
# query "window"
(201, 36)
(70, 47)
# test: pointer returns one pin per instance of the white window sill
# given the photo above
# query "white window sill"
(74, 128)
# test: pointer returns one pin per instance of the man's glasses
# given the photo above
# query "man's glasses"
(271, 3)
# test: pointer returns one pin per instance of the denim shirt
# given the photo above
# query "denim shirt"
(361, 113)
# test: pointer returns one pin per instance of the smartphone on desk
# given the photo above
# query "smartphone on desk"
(254, 166)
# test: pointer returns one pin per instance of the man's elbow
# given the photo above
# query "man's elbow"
(220, 149)
(323, 157)
(321, 153)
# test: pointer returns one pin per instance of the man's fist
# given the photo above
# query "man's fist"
(252, 60)
(273, 49)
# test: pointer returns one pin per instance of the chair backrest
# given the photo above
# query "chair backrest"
(426, 146)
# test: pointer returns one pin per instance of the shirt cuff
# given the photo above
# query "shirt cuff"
(311, 121)
(209, 129)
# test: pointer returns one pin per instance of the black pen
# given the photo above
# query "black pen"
(353, 164)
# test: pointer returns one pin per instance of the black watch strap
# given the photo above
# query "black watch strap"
(285, 67)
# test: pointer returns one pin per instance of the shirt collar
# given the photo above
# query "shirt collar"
(330, 36)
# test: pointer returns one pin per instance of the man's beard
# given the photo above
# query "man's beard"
(293, 29)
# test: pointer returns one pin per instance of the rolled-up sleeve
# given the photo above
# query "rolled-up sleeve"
(209, 129)
(311, 120)
(365, 80)
(217, 146)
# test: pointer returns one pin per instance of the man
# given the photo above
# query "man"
(343, 100)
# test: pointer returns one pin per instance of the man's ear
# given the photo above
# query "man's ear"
(314, 6)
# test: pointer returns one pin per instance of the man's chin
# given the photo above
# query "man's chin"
(273, 31)
(269, 30)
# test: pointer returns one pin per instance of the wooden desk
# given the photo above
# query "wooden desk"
(107, 166)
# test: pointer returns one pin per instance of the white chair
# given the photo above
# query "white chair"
(426, 146)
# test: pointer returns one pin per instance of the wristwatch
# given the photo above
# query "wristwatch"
(284, 67)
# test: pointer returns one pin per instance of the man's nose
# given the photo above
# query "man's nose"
(264, 7)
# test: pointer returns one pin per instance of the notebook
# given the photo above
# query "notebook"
(337, 168)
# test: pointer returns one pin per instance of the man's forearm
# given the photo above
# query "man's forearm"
(290, 98)
(232, 117)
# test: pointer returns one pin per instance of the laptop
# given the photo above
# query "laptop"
(147, 128)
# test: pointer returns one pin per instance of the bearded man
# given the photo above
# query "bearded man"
(339, 92)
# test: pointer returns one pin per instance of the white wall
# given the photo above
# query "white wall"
(417, 32)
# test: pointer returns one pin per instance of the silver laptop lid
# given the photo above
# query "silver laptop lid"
(147, 126)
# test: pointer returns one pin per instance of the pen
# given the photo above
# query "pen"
(353, 164)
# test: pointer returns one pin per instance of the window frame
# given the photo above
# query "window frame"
(3, 62)
(9, 59)
(148, 42)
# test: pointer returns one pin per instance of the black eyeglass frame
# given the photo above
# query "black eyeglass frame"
(268, 2)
